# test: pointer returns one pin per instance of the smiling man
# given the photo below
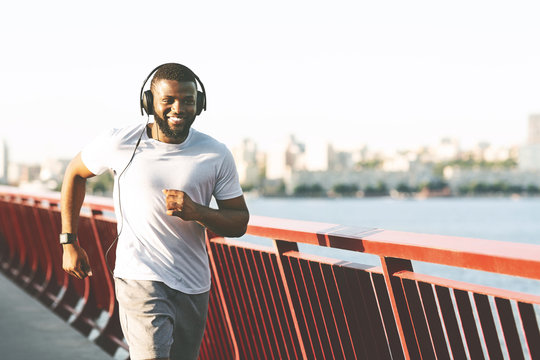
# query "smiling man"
(166, 173)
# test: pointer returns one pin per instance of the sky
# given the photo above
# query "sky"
(387, 74)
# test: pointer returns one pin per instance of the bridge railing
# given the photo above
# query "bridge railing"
(279, 302)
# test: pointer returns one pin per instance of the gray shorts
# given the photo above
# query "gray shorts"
(160, 322)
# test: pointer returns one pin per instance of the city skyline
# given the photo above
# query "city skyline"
(388, 75)
(298, 169)
(310, 147)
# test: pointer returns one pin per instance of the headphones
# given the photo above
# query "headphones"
(147, 99)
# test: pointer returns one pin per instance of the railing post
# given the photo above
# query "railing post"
(208, 236)
(104, 319)
(281, 248)
(397, 298)
(102, 258)
(18, 241)
(47, 266)
(61, 278)
(9, 259)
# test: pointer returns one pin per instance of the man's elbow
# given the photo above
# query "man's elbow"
(242, 231)
(241, 228)
(77, 169)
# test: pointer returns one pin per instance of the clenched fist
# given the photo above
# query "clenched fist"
(178, 203)
(75, 261)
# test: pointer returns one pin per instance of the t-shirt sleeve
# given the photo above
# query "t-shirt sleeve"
(227, 185)
(96, 155)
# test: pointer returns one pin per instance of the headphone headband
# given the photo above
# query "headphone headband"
(146, 98)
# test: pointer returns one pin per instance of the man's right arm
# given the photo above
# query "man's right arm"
(75, 260)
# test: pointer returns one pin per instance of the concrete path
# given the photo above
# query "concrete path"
(28, 330)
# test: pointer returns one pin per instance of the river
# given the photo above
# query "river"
(505, 219)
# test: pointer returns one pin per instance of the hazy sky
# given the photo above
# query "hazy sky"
(390, 74)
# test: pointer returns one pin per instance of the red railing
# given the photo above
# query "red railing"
(277, 302)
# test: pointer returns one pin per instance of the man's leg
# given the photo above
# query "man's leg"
(147, 317)
(191, 313)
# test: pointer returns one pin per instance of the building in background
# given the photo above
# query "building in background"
(250, 164)
(529, 155)
(22, 174)
(52, 172)
(4, 161)
(447, 149)
(533, 134)
(295, 155)
(338, 160)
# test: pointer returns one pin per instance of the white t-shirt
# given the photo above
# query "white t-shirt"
(153, 245)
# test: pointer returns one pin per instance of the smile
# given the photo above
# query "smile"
(175, 120)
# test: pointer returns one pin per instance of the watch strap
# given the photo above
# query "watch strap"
(67, 238)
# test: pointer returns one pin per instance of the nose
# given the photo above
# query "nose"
(176, 107)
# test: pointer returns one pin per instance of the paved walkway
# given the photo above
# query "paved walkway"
(28, 330)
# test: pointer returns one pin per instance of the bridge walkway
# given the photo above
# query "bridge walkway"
(28, 330)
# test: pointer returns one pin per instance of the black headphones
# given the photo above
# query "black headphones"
(147, 99)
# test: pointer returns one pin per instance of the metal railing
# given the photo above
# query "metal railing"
(277, 302)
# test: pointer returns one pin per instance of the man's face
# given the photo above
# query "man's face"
(174, 107)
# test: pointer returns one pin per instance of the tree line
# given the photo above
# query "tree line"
(382, 189)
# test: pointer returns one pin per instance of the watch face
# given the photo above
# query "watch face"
(67, 238)
(63, 238)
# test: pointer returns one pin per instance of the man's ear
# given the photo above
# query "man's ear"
(147, 102)
(201, 102)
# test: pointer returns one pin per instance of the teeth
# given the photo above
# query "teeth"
(175, 120)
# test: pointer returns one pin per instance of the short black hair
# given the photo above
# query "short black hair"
(173, 71)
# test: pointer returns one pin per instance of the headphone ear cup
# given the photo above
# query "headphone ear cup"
(148, 102)
(201, 102)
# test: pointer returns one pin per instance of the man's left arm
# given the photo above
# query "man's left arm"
(230, 219)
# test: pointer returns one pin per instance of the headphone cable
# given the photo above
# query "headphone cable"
(119, 198)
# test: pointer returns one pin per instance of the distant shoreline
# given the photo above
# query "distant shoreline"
(404, 197)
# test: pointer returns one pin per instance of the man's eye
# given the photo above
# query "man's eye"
(189, 102)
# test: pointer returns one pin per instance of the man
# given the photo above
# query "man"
(165, 175)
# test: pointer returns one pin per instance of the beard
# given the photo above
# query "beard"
(180, 133)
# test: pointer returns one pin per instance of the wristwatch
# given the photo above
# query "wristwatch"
(67, 238)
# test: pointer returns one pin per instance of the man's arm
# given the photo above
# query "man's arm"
(230, 219)
(74, 261)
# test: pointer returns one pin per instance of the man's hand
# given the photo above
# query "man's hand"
(230, 219)
(178, 203)
(75, 261)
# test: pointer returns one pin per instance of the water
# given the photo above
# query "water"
(505, 219)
